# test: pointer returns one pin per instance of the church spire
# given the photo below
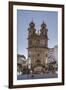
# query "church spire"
(31, 28)
(43, 25)
(43, 30)
(32, 24)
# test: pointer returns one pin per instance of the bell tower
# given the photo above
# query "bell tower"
(31, 38)
(44, 35)
(31, 29)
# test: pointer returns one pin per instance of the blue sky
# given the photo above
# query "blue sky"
(24, 17)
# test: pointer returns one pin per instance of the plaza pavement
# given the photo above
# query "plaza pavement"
(37, 76)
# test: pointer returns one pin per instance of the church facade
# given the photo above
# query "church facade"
(38, 47)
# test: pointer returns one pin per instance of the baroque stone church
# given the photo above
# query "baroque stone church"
(38, 47)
